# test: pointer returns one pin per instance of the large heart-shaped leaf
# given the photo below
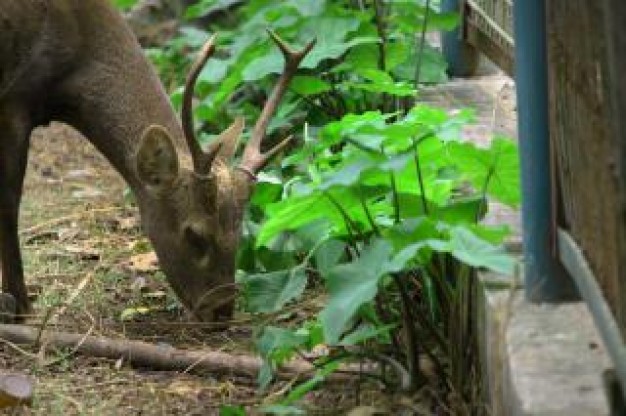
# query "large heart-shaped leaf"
(496, 167)
(350, 286)
(269, 292)
(477, 252)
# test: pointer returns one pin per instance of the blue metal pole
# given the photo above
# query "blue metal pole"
(545, 279)
(462, 58)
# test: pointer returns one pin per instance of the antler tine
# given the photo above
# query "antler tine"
(201, 161)
(253, 160)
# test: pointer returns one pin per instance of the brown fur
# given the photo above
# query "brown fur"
(77, 62)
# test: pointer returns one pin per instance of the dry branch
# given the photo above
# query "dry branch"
(143, 354)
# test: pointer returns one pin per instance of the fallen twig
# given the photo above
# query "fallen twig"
(161, 357)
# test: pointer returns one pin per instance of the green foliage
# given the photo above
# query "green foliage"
(232, 411)
(344, 73)
(378, 206)
(372, 200)
(124, 4)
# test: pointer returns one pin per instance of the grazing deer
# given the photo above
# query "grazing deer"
(77, 62)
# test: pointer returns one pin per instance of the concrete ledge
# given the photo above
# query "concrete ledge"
(538, 359)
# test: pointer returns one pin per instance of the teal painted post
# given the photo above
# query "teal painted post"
(462, 58)
(545, 279)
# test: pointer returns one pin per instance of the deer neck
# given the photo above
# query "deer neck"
(112, 93)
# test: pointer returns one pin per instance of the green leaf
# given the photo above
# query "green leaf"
(432, 67)
(477, 252)
(443, 21)
(124, 4)
(366, 332)
(308, 8)
(294, 212)
(227, 410)
(497, 167)
(325, 51)
(303, 388)
(328, 254)
(314, 332)
(462, 210)
(215, 102)
(381, 82)
(278, 342)
(276, 345)
(309, 85)
(131, 313)
(495, 234)
(352, 123)
(399, 89)
(269, 292)
(282, 410)
(346, 175)
(266, 191)
(411, 231)
(350, 286)
(205, 7)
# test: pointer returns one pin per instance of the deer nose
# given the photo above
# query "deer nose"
(217, 304)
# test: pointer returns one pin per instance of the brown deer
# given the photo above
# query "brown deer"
(77, 62)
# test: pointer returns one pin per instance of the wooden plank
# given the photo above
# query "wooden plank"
(485, 30)
(583, 139)
(615, 85)
(503, 59)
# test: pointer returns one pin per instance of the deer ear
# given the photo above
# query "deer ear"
(229, 139)
(156, 159)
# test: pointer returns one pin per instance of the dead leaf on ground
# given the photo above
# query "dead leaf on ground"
(185, 388)
(143, 263)
(127, 224)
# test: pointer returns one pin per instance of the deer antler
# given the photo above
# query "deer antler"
(201, 160)
(253, 159)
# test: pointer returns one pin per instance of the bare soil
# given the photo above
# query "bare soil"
(87, 267)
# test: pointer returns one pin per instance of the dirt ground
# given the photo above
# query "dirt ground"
(86, 263)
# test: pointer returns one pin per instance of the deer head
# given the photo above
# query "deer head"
(193, 215)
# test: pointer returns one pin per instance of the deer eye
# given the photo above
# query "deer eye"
(196, 240)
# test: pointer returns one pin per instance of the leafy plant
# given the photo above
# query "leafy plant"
(378, 207)
(384, 210)
(360, 61)
(124, 4)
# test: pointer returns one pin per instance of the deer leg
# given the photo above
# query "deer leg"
(15, 128)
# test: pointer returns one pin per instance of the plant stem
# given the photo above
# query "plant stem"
(379, 17)
(396, 198)
(332, 113)
(355, 351)
(483, 191)
(420, 177)
(422, 43)
(394, 192)
(350, 225)
(368, 214)
(408, 322)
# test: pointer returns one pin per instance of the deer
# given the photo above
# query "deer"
(77, 62)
